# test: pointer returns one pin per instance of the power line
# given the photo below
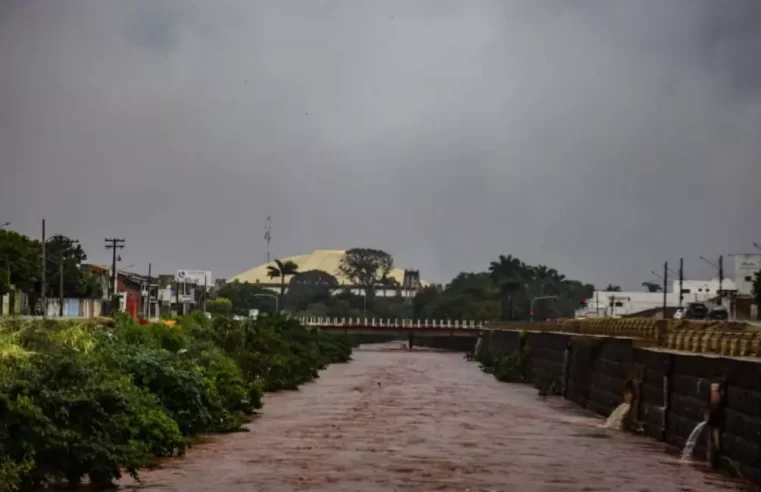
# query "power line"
(114, 244)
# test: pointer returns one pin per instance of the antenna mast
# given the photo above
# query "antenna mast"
(268, 235)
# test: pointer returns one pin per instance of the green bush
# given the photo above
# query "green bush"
(513, 368)
(78, 399)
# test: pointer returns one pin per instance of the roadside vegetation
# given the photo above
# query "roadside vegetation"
(82, 400)
(513, 368)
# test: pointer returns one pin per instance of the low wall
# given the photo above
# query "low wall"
(455, 344)
(673, 385)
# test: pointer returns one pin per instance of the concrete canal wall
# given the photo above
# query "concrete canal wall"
(673, 385)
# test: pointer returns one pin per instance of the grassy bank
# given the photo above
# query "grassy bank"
(79, 399)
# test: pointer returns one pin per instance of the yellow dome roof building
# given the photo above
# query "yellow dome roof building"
(326, 260)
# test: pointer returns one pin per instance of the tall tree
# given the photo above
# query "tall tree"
(20, 258)
(281, 270)
(313, 286)
(245, 296)
(612, 288)
(66, 254)
(366, 268)
(757, 289)
(510, 275)
(469, 296)
(652, 287)
(5, 280)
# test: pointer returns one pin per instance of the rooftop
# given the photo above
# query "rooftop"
(326, 260)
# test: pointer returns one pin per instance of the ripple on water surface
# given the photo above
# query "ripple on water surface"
(396, 420)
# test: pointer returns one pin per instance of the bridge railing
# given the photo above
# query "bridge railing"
(390, 323)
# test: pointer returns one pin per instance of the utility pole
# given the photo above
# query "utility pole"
(597, 302)
(44, 271)
(721, 280)
(148, 295)
(665, 288)
(681, 282)
(114, 244)
(60, 281)
(205, 290)
(177, 296)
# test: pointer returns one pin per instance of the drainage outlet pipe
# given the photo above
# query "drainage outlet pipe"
(566, 367)
(715, 416)
(630, 396)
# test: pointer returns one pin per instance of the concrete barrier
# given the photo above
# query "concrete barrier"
(673, 376)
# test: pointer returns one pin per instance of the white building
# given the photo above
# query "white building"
(746, 266)
(614, 304)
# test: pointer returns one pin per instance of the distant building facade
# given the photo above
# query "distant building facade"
(399, 281)
(619, 304)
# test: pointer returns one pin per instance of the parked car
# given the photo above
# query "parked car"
(718, 313)
(696, 311)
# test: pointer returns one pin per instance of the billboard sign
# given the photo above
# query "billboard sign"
(194, 277)
(746, 266)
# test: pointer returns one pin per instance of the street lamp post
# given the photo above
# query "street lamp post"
(272, 296)
(534, 299)
(4, 225)
(720, 269)
(757, 246)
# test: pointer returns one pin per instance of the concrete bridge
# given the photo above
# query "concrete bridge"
(380, 326)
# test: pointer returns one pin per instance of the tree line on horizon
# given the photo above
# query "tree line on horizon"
(503, 291)
(21, 267)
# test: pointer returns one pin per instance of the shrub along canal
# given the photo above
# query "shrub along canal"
(395, 420)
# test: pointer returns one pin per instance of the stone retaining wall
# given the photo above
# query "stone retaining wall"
(673, 386)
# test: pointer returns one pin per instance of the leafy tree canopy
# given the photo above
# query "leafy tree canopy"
(245, 296)
(505, 291)
(62, 251)
(21, 260)
(20, 256)
(313, 286)
(220, 305)
(366, 268)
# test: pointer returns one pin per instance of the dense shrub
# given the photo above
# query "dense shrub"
(513, 368)
(85, 400)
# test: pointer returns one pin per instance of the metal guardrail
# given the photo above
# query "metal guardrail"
(392, 323)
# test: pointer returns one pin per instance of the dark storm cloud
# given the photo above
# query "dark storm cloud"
(599, 137)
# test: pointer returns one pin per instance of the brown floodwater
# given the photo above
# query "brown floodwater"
(395, 420)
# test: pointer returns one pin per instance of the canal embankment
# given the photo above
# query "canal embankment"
(406, 421)
(672, 367)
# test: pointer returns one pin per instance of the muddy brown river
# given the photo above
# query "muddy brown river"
(394, 420)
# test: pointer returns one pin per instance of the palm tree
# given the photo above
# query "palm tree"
(281, 270)
(509, 274)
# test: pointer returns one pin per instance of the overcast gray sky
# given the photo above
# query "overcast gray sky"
(598, 137)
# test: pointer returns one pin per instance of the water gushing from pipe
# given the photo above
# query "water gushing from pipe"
(616, 418)
(689, 446)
